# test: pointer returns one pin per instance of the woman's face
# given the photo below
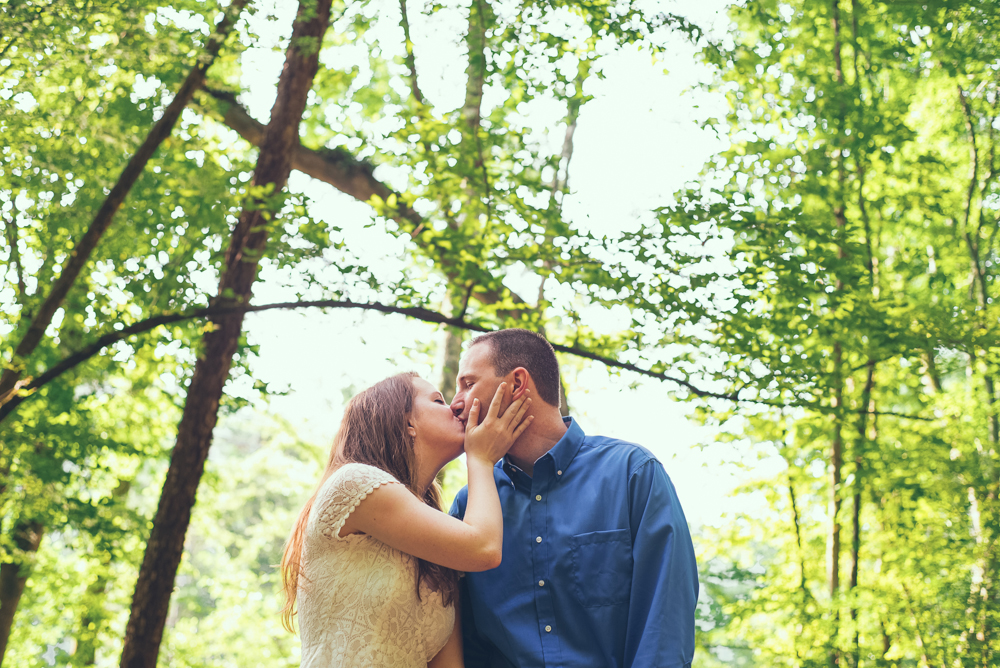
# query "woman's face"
(440, 436)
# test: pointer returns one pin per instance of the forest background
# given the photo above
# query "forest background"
(767, 231)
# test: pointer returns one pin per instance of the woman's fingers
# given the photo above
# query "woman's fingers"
(514, 414)
(473, 420)
(521, 427)
(494, 411)
(522, 411)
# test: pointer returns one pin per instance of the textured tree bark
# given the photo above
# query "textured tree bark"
(249, 239)
(449, 366)
(80, 254)
(13, 577)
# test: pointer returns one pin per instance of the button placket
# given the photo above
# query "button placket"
(538, 509)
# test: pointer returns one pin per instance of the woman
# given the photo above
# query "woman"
(373, 560)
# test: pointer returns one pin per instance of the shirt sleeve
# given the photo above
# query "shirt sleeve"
(477, 651)
(660, 629)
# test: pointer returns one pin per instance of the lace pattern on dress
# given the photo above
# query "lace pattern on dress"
(354, 482)
(358, 604)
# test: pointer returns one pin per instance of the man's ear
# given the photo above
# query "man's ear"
(519, 383)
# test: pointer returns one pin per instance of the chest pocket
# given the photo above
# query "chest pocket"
(601, 567)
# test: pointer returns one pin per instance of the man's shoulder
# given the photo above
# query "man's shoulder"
(616, 452)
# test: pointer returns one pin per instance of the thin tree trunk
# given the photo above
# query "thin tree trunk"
(982, 594)
(80, 254)
(10, 234)
(449, 364)
(859, 459)
(837, 443)
(472, 109)
(833, 538)
(13, 577)
(797, 523)
(164, 549)
(411, 62)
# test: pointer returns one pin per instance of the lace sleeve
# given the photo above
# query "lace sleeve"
(342, 493)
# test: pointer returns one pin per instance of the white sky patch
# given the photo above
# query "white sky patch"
(25, 102)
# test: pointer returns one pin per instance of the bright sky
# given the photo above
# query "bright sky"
(637, 142)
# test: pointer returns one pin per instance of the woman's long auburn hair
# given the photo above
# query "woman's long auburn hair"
(373, 432)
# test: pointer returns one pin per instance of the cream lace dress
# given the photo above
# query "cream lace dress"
(358, 604)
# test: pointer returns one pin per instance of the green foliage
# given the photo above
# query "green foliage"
(849, 210)
(833, 270)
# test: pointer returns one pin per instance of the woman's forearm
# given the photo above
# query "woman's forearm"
(482, 510)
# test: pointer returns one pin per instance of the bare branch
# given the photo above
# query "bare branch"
(11, 401)
(411, 63)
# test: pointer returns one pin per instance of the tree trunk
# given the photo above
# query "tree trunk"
(797, 524)
(979, 639)
(13, 576)
(166, 542)
(837, 442)
(95, 615)
(833, 538)
(859, 459)
(449, 365)
(80, 254)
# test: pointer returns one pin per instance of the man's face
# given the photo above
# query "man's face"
(476, 380)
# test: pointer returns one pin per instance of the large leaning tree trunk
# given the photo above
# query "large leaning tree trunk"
(14, 576)
(10, 379)
(166, 542)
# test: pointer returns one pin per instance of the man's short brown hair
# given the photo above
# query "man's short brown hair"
(513, 348)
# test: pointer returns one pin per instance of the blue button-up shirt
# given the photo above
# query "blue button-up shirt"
(598, 567)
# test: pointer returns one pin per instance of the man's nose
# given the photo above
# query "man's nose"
(457, 406)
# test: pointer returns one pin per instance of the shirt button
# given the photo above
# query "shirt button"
(541, 583)
(538, 540)
(558, 472)
(538, 497)
(548, 629)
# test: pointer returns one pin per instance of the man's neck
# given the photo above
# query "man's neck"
(538, 439)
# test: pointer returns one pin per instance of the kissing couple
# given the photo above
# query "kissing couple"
(563, 550)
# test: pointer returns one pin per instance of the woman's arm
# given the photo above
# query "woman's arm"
(450, 655)
(399, 519)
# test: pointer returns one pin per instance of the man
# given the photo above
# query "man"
(598, 568)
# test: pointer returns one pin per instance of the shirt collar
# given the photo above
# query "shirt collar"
(562, 453)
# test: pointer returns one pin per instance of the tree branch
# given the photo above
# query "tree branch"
(411, 63)
(10, 234)
(10, 402)
(342, 171)
(81, 252)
